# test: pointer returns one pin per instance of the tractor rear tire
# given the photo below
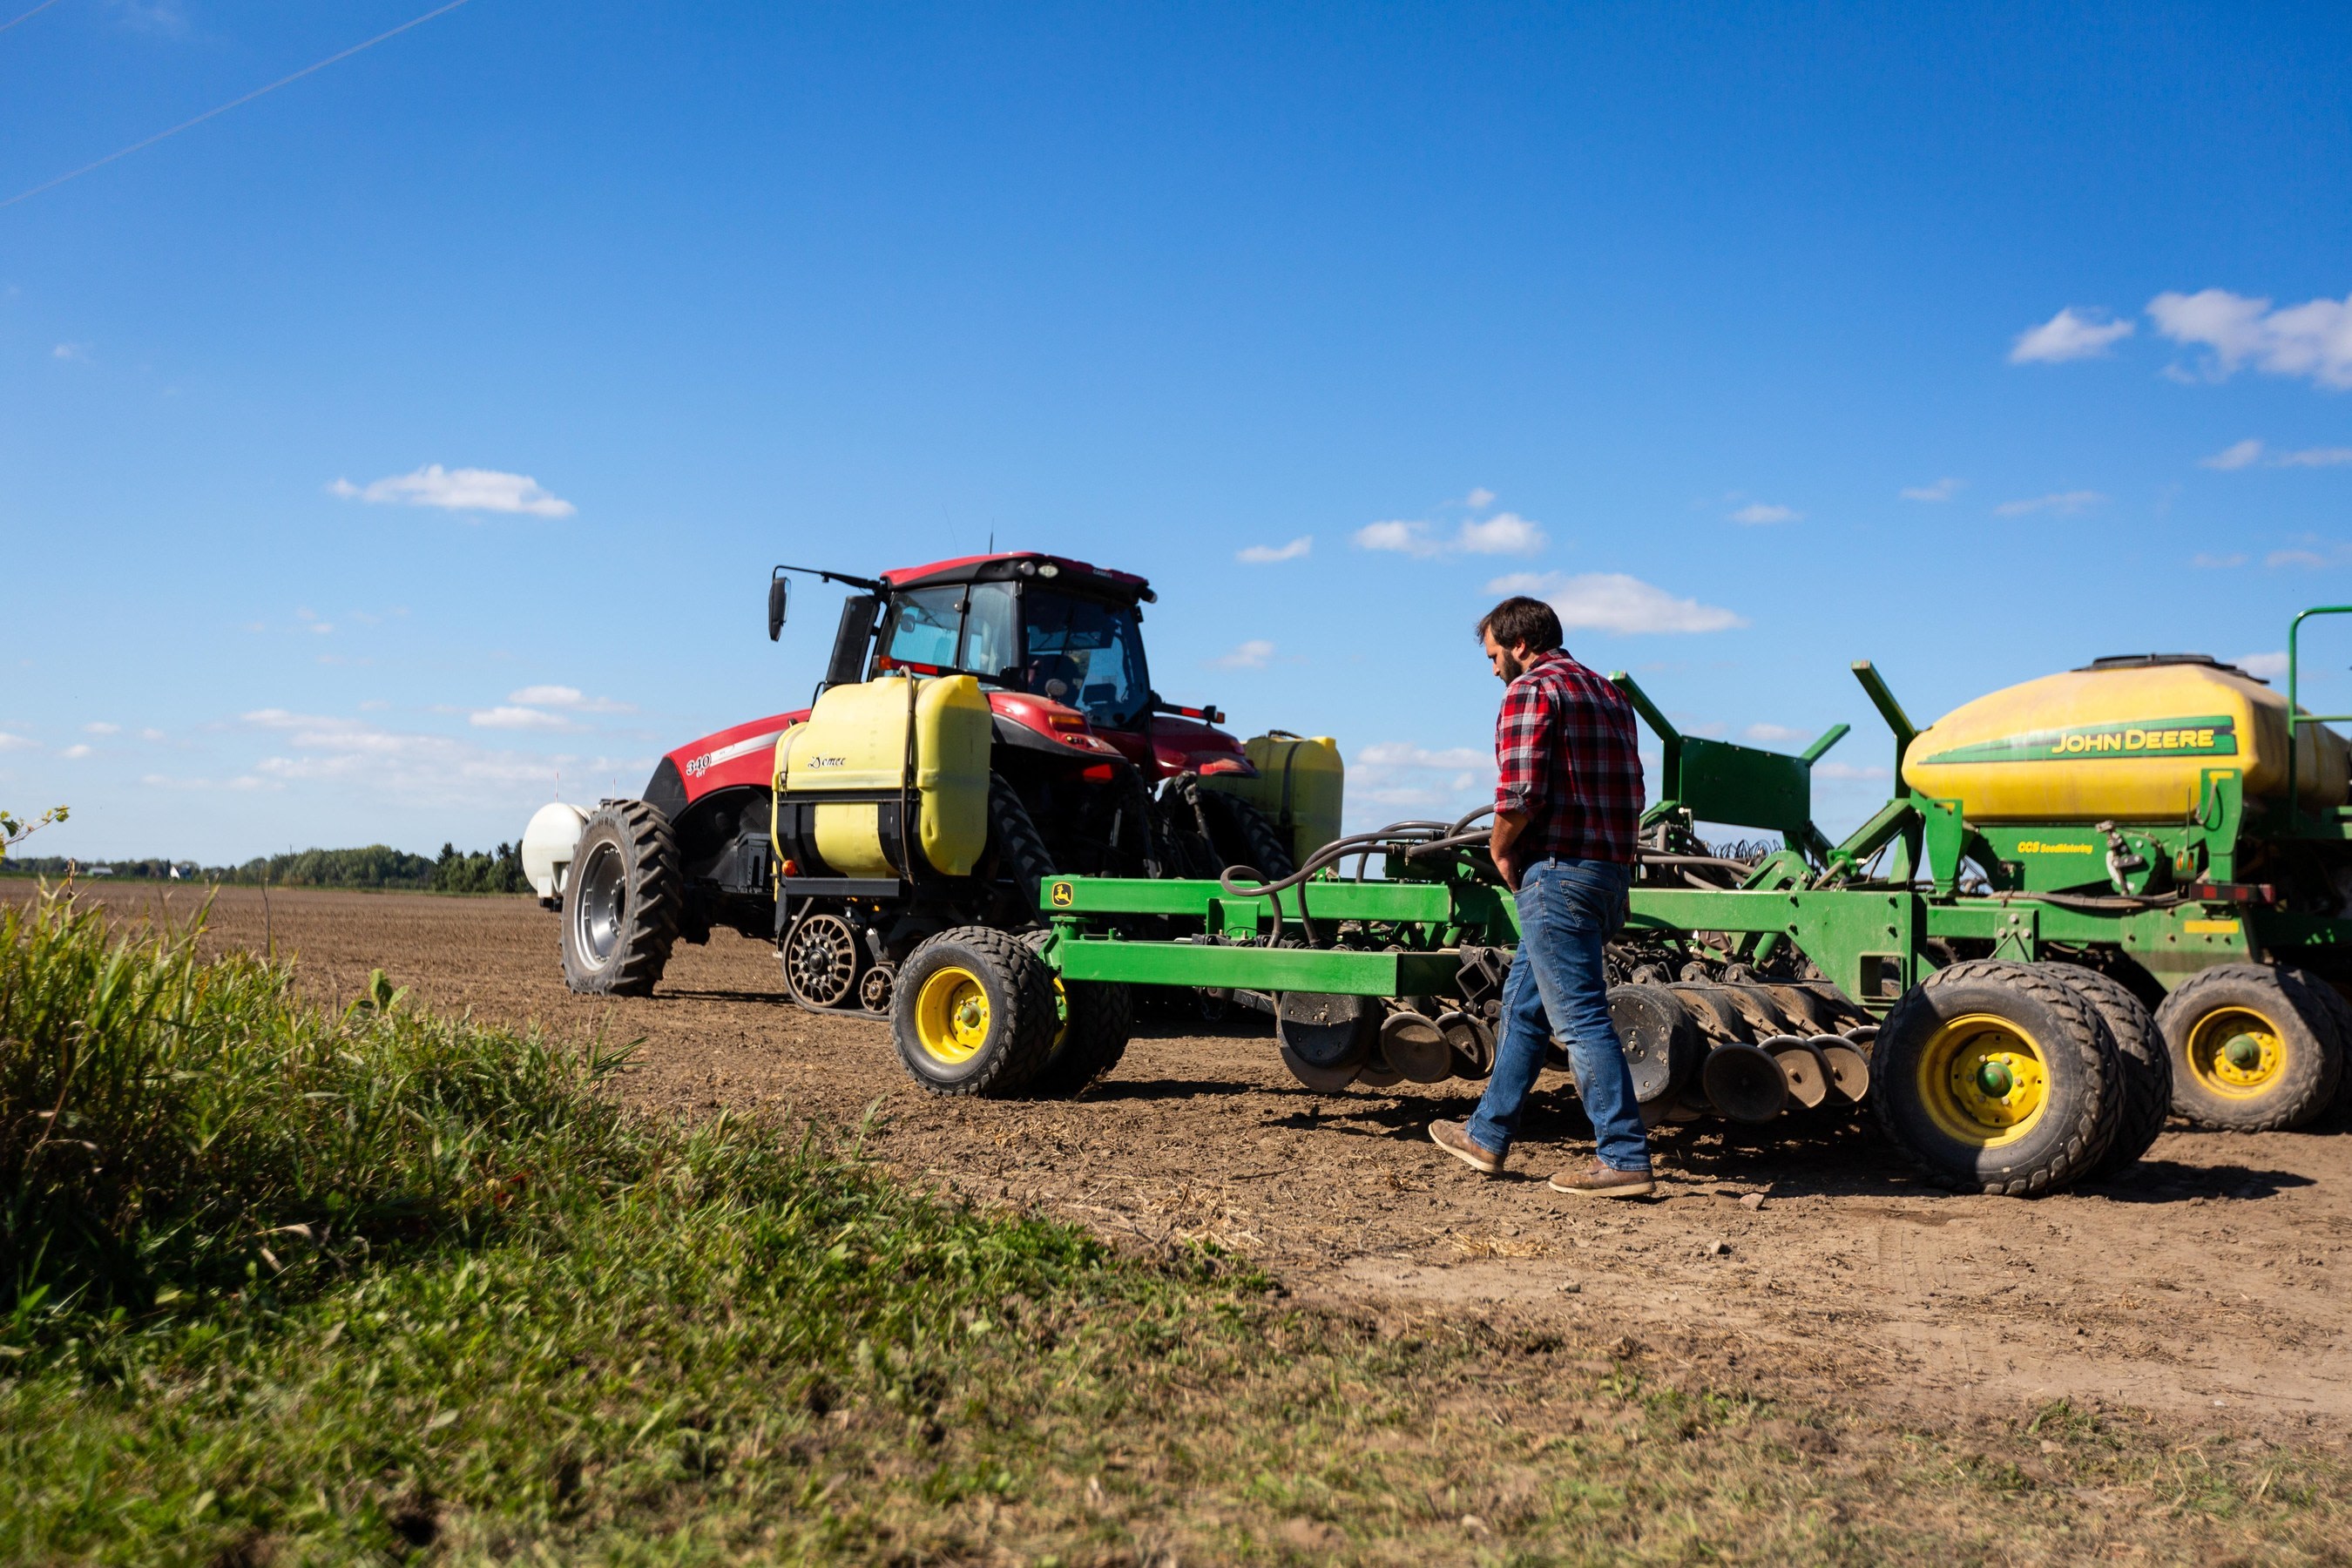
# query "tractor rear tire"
(1095, 1021)
(1995, 1078)
(1243, 835)
(2252, 1049)
(622, 901)
(971, 1012)
(2148, 1067)
(1021, 852)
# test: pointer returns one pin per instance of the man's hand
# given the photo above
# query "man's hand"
(1508, 825)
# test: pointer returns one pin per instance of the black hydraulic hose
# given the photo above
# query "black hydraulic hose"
(1413, 837)
(1661, 857)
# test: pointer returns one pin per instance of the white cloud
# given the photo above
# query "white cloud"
(2247, 453)
(2217, 562)
(2314, 339)
(459, 490)
(566, 697)
(2064, 503)
(1405, 538)
(1266, 554)
(2268, 665)
(1405, 754)
(1613, 602)
(435, 770)
(2310, 558)
(2069, 334)
(514, 718)
(1505, 533)
(70, 352)
(1775, 735)
(1254, 653)
(101, 727)
(1848, 771)
(76, 752)
(11, 742)
(1402, 775)
(1479, 498)
(1942, 489)
(1756, 512)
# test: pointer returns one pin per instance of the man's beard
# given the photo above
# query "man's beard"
(1512, 669)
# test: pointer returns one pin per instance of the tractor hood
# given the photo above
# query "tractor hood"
(740, 755)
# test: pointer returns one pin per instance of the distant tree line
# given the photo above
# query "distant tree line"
(376, 865)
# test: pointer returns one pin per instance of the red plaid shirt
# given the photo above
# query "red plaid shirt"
(1564, 748)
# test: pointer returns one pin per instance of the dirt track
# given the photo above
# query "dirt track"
(2211, 1286)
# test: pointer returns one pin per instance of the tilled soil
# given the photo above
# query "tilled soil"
(2210, 1286)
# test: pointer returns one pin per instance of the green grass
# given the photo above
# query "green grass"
(527, 1327)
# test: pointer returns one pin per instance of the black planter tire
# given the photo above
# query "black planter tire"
(622, 899)
(2339, 1012)
(1992, 1077)
(1095, 1020)
(971, 1012)
(2148, 1065)
(2252, 1049)
(1021, 853)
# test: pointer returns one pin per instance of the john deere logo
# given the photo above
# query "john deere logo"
(2210, 737)
(1062, 896)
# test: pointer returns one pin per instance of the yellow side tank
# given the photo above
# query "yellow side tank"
(855, 742)
(1300, 782)
(2126, 740)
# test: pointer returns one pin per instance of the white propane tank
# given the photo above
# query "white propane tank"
(547, 846)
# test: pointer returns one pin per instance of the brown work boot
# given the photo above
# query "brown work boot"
(1453, 1137)
(1598, 1181)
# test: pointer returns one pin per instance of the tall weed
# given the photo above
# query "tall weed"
(176, 1129)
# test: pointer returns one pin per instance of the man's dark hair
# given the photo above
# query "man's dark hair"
(1519, 619)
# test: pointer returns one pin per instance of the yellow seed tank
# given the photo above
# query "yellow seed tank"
(2122, 739)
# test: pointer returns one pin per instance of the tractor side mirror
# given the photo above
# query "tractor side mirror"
(780, 598)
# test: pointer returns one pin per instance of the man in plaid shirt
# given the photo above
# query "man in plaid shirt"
(1568, 806)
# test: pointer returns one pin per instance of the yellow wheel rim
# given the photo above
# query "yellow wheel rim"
(1061, 1013)
(2236, 1052)
(951, 1015)
(1983, 1079)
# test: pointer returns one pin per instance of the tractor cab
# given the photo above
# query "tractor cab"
(1057, 646)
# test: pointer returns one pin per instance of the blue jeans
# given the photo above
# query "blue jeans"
(1568, 909)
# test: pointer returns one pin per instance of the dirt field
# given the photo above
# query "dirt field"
(2210, 1289)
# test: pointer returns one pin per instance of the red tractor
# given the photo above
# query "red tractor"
(983, 724)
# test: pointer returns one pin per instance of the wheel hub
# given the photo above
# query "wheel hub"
(951, 1015)
(2236, 1051)
(1983, 1080)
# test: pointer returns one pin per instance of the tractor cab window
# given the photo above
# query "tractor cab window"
(1087, 654)
(923, 626)
(992, 637)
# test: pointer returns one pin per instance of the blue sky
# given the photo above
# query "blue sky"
(377, 451)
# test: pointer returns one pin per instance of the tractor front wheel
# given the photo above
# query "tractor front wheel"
(1995, 1078)
(972, 1013)
(2252, 1048)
